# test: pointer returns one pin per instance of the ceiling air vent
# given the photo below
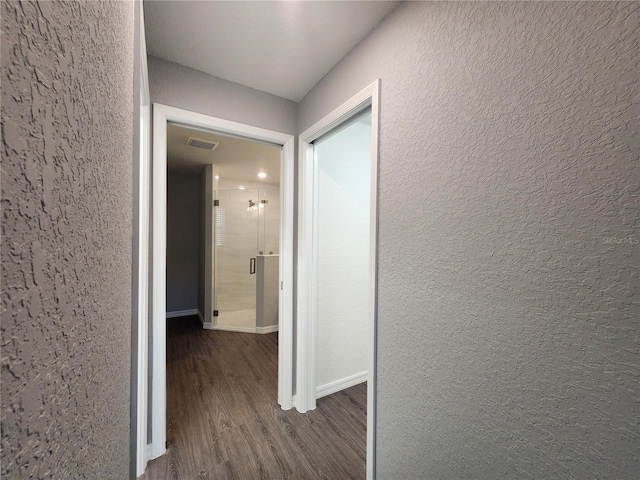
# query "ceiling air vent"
(198, 142)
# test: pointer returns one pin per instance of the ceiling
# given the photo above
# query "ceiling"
(236, 158)
(279, 47)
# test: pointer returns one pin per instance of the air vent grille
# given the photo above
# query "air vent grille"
(200, 143)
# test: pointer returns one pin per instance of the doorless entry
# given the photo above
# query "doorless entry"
(328, 169)
(162, 115)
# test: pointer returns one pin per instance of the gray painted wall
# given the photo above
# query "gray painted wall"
(183, 230)
(67, 132)
(267, 293)
(205, 245)
(508, 245)
(182, 87)
(202, 188)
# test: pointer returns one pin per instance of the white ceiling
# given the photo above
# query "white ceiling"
(279, 47)
(236, 158)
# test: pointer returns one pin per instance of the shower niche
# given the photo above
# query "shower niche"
(246, 249)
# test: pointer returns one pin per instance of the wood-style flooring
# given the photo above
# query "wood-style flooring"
(224, 422)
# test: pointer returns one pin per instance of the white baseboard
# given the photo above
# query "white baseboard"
(333, 387)
(268, 329)
(205, 325)
(234, 329)
(182, 313)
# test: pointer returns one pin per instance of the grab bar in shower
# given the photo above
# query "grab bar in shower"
(252, 266)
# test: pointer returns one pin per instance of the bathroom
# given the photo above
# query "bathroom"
(223, 230)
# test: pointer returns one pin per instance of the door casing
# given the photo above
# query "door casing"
(163, 114)
(140, 291)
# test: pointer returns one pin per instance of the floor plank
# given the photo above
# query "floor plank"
(223, 420)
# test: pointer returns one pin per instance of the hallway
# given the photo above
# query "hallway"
(223, 420)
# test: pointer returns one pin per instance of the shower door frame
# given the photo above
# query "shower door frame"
(163, 114)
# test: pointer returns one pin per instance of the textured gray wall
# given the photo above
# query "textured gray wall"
(508, 336)
(67, 105)
(182, 87)
(183, 218)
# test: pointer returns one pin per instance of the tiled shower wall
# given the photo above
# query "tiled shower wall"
(239, 236)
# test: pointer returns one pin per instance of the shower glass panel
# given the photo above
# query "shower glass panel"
(236, 246)
(246, 225)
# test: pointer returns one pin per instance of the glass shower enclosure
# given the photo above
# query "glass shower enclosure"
(246, 225)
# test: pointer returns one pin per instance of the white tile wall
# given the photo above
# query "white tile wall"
(240, 235)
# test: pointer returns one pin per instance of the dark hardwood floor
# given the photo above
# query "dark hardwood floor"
(223, 420)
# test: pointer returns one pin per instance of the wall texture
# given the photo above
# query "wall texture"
(508, 334)
(67, 108)
(182, 87)
(183, 230)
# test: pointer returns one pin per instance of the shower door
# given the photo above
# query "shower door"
(235, 248)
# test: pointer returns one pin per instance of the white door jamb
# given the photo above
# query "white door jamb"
(144, 179)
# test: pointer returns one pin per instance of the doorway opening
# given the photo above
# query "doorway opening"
(337, 256)
(223, 257)
(165, 118)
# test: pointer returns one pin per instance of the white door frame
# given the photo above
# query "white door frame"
(306, 312)
(163, 114)
(144, 179)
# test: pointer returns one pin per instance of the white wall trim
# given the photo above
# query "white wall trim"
(306, 326)
(163, 114)
(205, 325)
(143, 206)
(267, 329)
(285, 270)
(258, 330)
(343, 383)
(182, 313)
(222, 328)
(159, 289)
